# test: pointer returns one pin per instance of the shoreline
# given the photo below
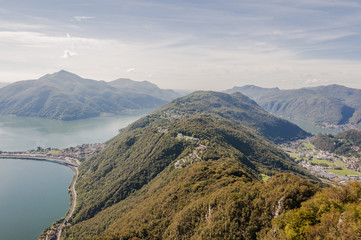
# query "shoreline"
(71, 163)
(68, 162)
(72, 204)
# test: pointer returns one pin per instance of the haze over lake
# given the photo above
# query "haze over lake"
(313, 128)
(24, 133)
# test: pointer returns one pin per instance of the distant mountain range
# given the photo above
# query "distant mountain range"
(333, 104)
(347, 143)
(66, 96)
(192, 169)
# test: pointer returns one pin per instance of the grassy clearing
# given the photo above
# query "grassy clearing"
(264, 177)
(322, 161)
(308, 146)
(340, 163)
(53, 152)
(295, 156)
(343, 172)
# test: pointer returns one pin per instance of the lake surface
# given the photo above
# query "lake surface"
(24, 133)
(312, 128)
(34, 194)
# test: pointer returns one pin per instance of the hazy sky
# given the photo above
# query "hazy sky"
(185, 44)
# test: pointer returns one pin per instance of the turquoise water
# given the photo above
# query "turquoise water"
(33, 194)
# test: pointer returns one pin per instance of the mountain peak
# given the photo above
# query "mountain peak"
(66, 96)
(61, 75)
(63, 71)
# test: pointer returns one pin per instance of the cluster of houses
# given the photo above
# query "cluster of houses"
(307, 155)
(72, 153)
(356, 148)
(51, 234)
(343, 127)
(352, 163)
(191, 158)
(82, 151)
(180, 136)
(322, 173)
(163, 130)
(172, 115)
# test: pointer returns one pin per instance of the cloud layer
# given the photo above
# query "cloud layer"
(186, 44)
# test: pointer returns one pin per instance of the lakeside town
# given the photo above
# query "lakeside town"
(342, 127)
(71, 155)
(329, 167)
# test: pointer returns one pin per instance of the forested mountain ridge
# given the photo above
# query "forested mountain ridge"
(235, 107)
(185, 171)
(347, 143)
(333, 104)
(66, 96)
(127, 86)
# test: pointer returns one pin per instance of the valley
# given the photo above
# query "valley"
(329, 167)
(205, 130)
(333, 106)
(177, 164)
(180, 120)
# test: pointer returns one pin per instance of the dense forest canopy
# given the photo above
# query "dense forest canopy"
(196, 169)
(332, 104)
(345, 143)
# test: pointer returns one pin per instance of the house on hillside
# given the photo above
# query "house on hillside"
(180, 136)
(201, 147)
(192, 139)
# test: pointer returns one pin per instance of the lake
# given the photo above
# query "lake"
(312, 128)
(24, 133)
(34, 194)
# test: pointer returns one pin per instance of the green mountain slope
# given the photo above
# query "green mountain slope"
(151, 183)
(128, 87)
(333, 213)
(345, 143)
(333, 104)
(237, 108)
(66, 96)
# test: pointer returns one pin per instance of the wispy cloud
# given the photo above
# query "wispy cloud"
(82, 18)
(69, 54)
(19, 26)
(188, 44)
(41, 40)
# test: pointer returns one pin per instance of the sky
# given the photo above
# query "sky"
(188, 44)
